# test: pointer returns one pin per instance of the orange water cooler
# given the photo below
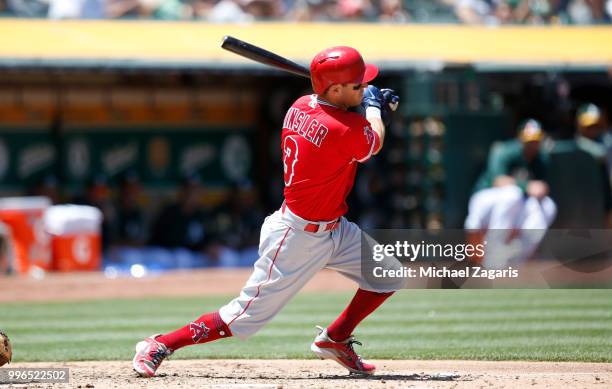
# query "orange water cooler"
(76, 241)
(30, 241)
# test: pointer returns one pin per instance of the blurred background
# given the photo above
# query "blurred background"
(131, 143)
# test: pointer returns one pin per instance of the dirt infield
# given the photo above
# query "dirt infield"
(273, 373)
(88, 286)
(325, 374)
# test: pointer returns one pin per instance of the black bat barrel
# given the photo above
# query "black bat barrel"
(263, 56)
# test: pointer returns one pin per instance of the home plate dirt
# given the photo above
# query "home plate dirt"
(277, 374)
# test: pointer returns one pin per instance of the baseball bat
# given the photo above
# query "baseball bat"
(266, 57)
(263, 56)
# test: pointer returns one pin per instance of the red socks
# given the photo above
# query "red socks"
(364, 303)
(211, 327)
(205, 329)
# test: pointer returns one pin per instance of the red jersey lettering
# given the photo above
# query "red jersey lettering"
(321, 145)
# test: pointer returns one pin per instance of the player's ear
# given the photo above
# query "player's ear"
(335, 89)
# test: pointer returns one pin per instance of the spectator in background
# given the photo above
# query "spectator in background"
(494, 12)
(314, 11)
(122, 8)
(77, 9)
(356, 10)
(28, 8)
(510, 208)
(131, 227)
(475, 11)
(165, 9)
(152, 9)
(489, 12)
(392, 11)
(533, 12)
(589, 11)
(263, 9)
(93, 9)
(201, 8)
(97, 194)
(229, 11)
(505, 12)
(182, 224)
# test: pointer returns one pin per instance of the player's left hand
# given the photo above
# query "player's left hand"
(391, 100)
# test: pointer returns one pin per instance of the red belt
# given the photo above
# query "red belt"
(314, 227)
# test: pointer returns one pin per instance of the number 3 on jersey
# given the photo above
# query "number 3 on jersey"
(290, 158)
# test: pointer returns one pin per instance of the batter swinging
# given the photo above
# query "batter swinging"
(322, 142)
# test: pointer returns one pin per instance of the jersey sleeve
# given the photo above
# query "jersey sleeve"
(499, 160)
(360, 141)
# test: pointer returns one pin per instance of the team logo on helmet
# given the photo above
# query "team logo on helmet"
(199, 331)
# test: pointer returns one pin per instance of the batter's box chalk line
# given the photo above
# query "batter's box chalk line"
(404, 377)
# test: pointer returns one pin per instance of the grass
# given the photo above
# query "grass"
(552, 325)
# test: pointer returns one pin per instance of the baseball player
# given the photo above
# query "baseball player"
(511, 209)
(322, 144)
(593, 137)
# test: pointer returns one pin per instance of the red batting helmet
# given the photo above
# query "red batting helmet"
(339, 65)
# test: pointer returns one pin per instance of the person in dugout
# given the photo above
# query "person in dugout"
(511, 208)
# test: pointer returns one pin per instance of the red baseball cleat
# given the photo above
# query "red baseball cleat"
(149, 355)
(341, 352)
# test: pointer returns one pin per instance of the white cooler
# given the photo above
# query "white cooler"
(76, 241)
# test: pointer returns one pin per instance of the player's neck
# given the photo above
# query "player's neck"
(330, 101)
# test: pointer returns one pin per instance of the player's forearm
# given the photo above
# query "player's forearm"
(377, 126)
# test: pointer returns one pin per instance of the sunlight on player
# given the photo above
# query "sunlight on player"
(322, 143)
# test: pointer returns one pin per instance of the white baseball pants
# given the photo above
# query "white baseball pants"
(503, 209)
(288, 258)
